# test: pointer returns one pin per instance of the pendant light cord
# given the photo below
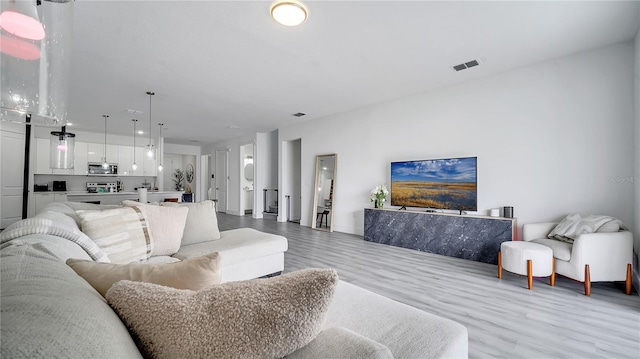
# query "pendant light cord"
(150, 93)
(105, 137)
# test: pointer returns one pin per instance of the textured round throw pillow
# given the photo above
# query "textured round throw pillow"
(260, 318)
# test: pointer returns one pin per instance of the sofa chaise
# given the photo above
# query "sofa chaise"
(47, 310)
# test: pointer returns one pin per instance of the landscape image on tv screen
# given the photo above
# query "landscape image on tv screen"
(440, 184)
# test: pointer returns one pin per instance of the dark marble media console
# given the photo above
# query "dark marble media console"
(475, 238)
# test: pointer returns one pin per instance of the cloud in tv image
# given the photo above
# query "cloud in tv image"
(442, 184)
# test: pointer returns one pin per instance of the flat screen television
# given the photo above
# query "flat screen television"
(449, 183)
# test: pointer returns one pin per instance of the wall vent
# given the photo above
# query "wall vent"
(299, 114)
(466, 65)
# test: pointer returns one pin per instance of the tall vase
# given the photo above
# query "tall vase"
(379, 203)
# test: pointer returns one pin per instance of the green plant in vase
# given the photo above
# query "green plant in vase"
(379, 195)
(178, 179)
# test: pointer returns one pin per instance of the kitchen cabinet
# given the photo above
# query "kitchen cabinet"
(125, 160)
(42, 159)
(95, 153)
(80, 159)
(139, 156)
(150, 166)
(42, 156)
(86, 152)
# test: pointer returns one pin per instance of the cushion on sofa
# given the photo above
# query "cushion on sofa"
(48, 311)
(54, 224)
(260, 318)
(63, 208)
(405, 330)
(202, 222)
(340, 342)
(237, 245)
(81, 206)
(122, 233)
(193, 273)
(166, 225)
(561, 249)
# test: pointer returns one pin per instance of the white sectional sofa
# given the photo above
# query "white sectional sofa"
(50, 311)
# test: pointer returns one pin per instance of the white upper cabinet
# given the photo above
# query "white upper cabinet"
(86, 152)
(80, 159)
(95, 152)
(42, 156)
(150, 166)
(125, 160)
(42, 159)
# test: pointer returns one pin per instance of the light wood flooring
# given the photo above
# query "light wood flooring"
(504, 318)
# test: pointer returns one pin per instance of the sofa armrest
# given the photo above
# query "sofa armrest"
(607, 254)
(531, 231)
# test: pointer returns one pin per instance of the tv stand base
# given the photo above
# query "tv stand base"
(476, 238)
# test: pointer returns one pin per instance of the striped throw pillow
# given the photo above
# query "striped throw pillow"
(122, 233)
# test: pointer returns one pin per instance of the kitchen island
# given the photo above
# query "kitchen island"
(42, 198)
(118, 197)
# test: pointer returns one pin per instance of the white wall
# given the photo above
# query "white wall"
(551, 139)
(266, 165)
(636, 233)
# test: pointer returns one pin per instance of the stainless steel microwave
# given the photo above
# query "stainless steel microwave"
(96, 169)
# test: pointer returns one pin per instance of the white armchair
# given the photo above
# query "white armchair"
(593, 257)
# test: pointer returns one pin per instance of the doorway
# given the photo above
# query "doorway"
(11, 185)
(204, 185)
(292, 180)
(246, 179)
(221, 178)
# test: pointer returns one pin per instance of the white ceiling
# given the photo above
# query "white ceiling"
(215, 64)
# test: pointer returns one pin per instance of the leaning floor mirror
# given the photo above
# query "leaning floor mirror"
(325, 186)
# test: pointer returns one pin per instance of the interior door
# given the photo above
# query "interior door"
(221, 178)
(11, 165)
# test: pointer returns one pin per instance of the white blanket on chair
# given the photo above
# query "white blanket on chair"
(575, 224)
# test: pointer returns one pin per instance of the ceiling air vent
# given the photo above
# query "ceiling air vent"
(299, 114)
(466, 65)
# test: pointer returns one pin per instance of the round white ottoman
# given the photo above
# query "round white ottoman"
(526, 258)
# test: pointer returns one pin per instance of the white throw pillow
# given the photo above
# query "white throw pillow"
(193, 273)
(202, 222)
(121, 233)
(166, 225)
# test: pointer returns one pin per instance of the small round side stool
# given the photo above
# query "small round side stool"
(526, 258)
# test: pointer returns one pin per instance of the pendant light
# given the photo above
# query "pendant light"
(134, 166)
(150, 148)
(34, 59)
(61, 149)
(160, 148)
(105, 164)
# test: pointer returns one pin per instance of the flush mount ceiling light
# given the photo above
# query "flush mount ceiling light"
(289, 13)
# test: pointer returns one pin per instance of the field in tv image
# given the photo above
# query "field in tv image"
(441, 184)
